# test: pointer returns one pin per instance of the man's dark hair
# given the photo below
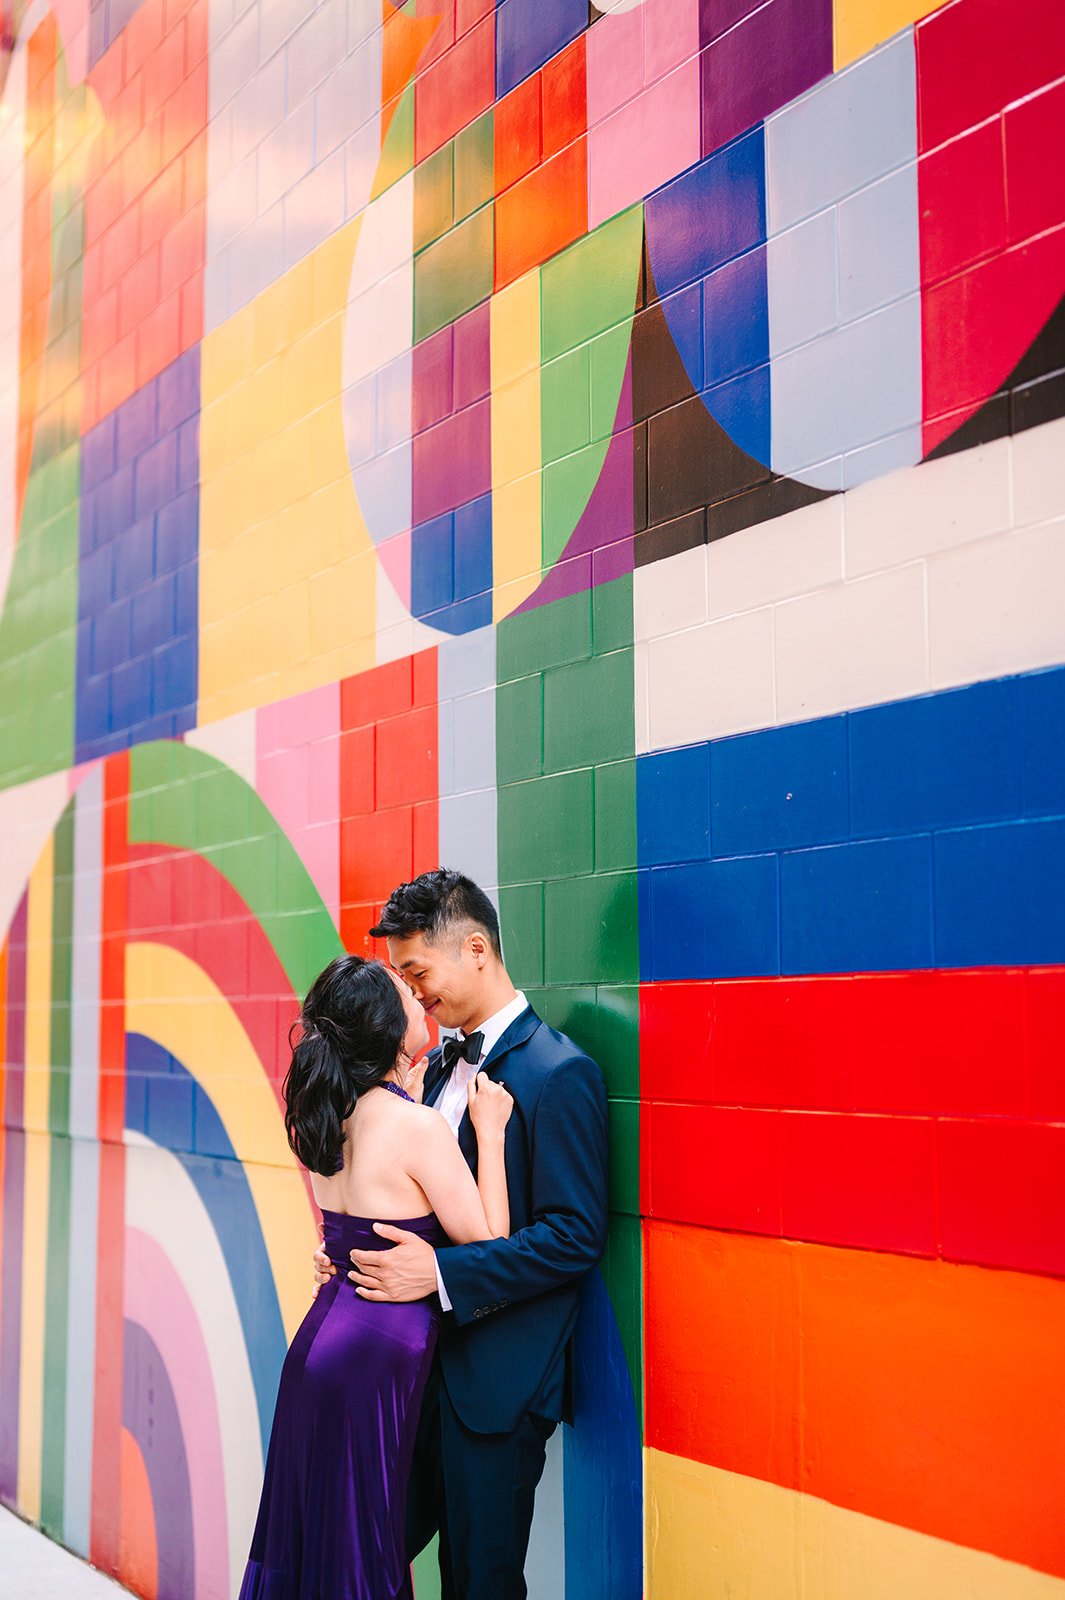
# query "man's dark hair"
(435, 904)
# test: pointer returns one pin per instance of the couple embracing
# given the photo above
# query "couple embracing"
(463, 1200)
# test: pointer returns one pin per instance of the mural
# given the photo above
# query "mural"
(616, 451)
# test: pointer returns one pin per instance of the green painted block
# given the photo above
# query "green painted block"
(521, 920)
(588, 712)
(454, 274)
(622, 1269)
(520, 729)
(475, 172)
(615, 816)
(547, 636)
(618, 1043)
(613, 624)
(567, 488)
(546, 828)
(591, 286)
(434, 196)
(591, 932)
(564, 405)
(625, 1157)
(572, 1012)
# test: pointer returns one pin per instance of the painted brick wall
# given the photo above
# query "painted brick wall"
(618, 451)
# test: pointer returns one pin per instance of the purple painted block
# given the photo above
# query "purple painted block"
(98, 454)
(189, 455)
(718, 16)
(775, 54)
(178, 387)
(108, 509)
(432, 399)
(473, 356)
(453, 462)
(136, 423)
(155, 475)
(150, 1414)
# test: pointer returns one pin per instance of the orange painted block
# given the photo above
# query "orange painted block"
(542, 214)
(407, 764)
(920, 1392)
(382, 692)
(517, 133)
(376, 852)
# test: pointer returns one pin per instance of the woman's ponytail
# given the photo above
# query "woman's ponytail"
(350, 1031)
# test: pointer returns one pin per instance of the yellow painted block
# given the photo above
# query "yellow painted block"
(172, 1001)
(277, 505)
(860, 25)
(517, 506)
(716, 1535)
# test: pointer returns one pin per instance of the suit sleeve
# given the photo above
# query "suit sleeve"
(567, 1235)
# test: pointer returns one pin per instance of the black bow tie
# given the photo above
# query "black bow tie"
(468, 1049)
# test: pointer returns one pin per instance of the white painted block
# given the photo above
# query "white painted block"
(853, 644)
(996, 607)
(669, 595)
(712, 680)
(928, 508)
(1039, 473)
(776, 560)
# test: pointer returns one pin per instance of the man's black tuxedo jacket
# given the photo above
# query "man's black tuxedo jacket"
(515, 1300)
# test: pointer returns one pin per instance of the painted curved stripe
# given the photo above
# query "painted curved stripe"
(917, 1392)
(170, 1000)
(183, 797)
(165, 1105)
(12, 181)
(150, 1414)
(138, 1552)
(164, 884)
(162, 1202)
(156, 1299)
(718, 1532)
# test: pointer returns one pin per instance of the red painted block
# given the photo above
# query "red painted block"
(541, 214)
(1002, 1195)
(784, 1042)
(517, 133)
(859, 1180)
(357, 771)
(141, 36)
(426, 841)
(973, 59)
(1035, 175)
(716, 1167)
(1045, 995)
(962, 203)
(164, 70)
(382, 692)
(424, 678)
(565, 98)
(455, 89)
(676, 1029)
(376, 853)
(407, 760)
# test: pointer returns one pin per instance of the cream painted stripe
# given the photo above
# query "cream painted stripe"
(28, 815)
(35, 1202)
(517, 508)
(161, 1200)
(715, 1535)
(932, 577)
(12, 173)
(173, 1001)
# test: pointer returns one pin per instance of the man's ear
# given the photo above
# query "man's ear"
(477, 945)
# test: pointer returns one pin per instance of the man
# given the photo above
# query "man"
(500, 1382)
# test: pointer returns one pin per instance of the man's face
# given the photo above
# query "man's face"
(443, 977)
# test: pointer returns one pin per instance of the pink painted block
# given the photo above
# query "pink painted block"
(309, 716)
(645, 144)
(394, 556)
(615, 66)
(319, 849)
(281, 779)
(670, 36)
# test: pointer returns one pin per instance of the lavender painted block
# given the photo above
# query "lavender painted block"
(776, 53)
(433, 396)
(453, 462)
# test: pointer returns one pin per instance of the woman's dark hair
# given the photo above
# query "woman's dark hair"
(352, 1026)
(437, 905)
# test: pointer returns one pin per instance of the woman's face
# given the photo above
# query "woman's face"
(416, 1037)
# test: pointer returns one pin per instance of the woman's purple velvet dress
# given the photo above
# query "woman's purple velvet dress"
(331, 1518)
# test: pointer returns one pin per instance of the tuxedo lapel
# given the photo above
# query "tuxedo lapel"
(520, 1029)
(433, 1085)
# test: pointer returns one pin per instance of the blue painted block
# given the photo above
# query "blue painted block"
(134, 553)
(683, 312)
(473, 548)
(155, 475)
(186, 598)
(530, 32)
(715, 919)
(176, 526)
(857, 907)
(1000, 895)
(173, 675)
(152, 617)
(1042, 709)
(111, 507)
(939, 761)
(189, 455)
(781, 789)
(432, 565)
(110, 635)
(713, 214)
(209, 1135)
(742, 407)
(465, 616)
(170, 1111)
(131, 698)
(95, 580)
(735, 327)
(135, 423)
(673, 806)
(98, 454)
(178, 387)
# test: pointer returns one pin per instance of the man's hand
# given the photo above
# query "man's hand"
(323, 1267)
(406, 1272)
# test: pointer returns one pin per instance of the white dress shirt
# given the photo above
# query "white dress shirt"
(454, 1097)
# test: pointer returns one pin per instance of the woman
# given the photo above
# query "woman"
(331, 1518)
